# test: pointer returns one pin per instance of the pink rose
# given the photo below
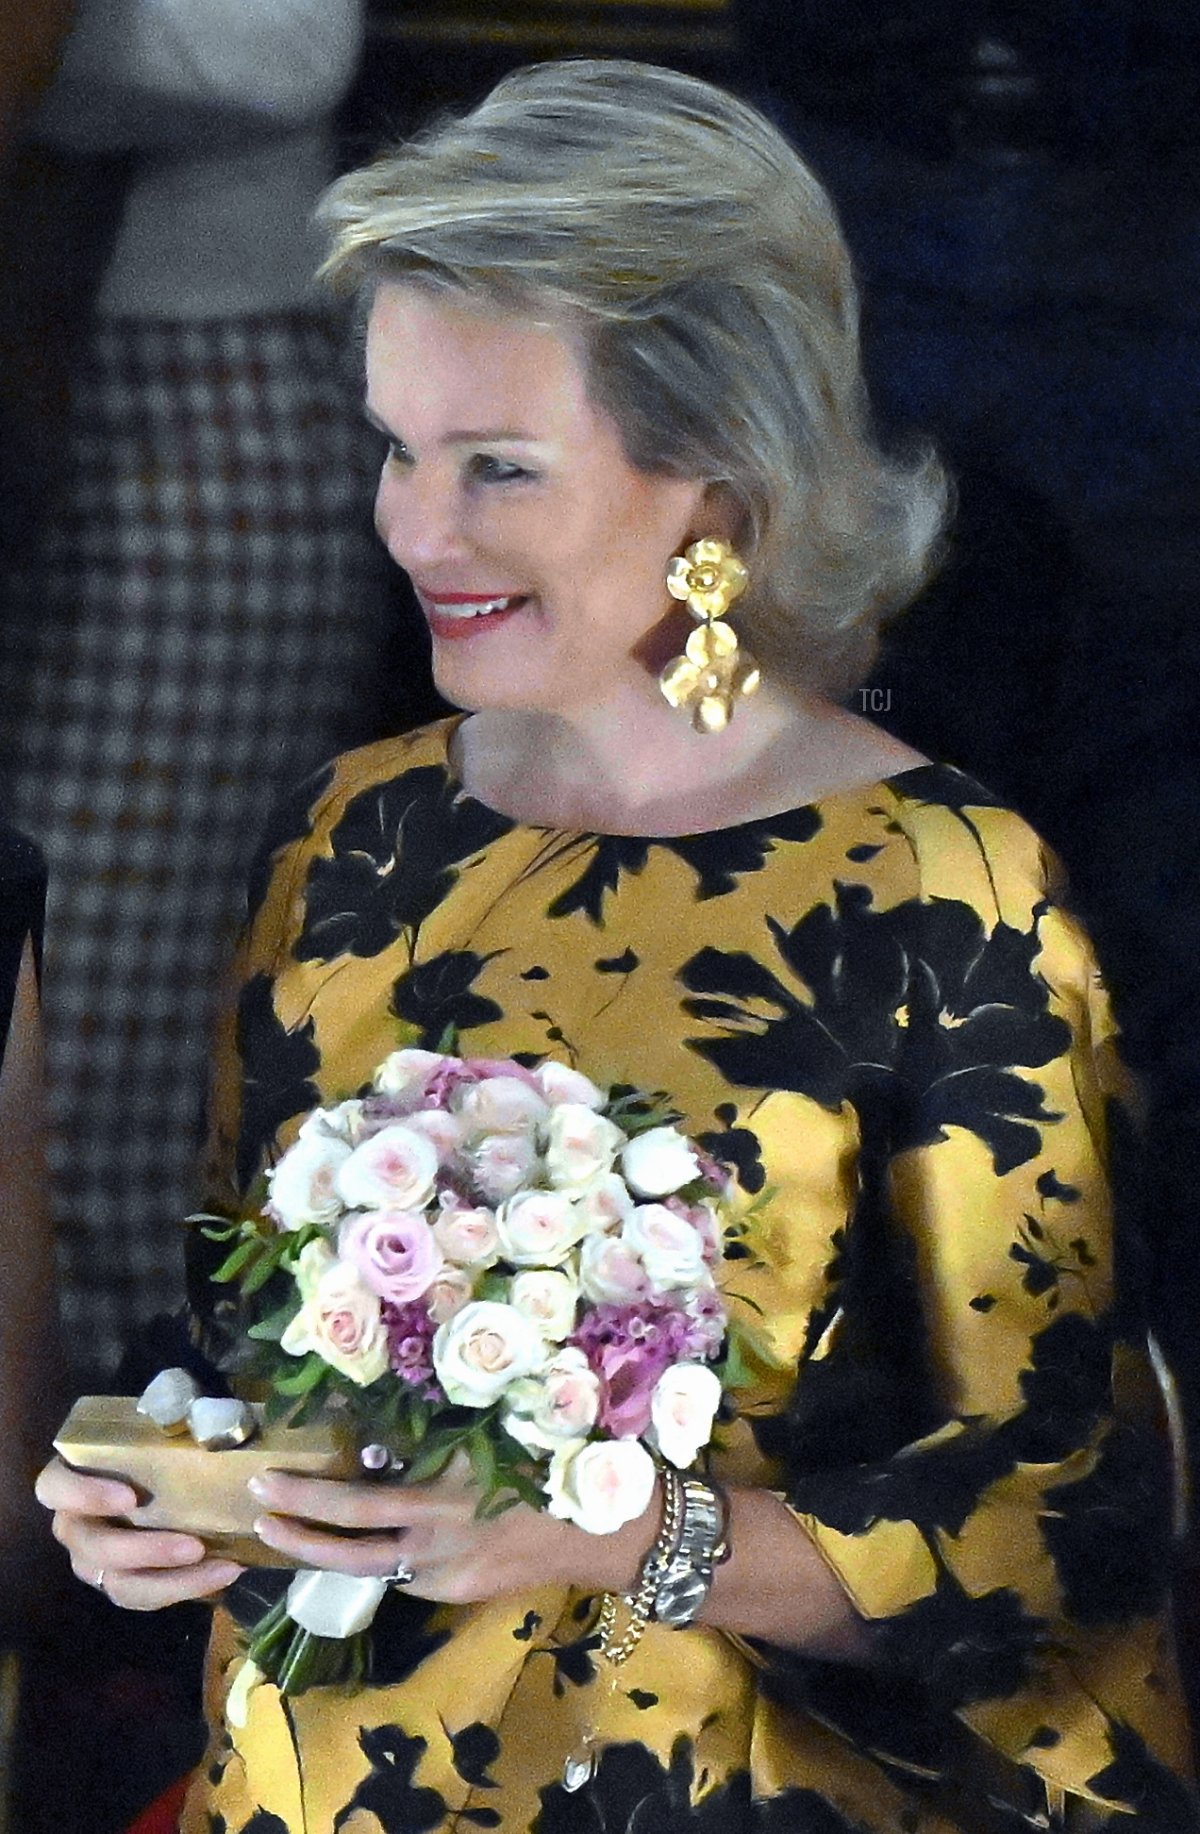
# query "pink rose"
(466, 1236)
(501, 1105)
(605, 1202)
(394, 1252)
(340, 1317)
(443, 1130)
(501, 1164)
(408, 1073)
(610, 1273)
(538, 1228)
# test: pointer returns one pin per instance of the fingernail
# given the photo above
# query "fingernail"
(257, 1486)
(262, 1528)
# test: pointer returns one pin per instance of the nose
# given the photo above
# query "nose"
(418, 518)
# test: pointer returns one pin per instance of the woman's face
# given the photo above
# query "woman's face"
(536, 550)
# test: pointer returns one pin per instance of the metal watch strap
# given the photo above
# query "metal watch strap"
(700, 1544)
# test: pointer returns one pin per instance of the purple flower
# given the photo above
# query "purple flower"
(410, 1332)
(629, 1346)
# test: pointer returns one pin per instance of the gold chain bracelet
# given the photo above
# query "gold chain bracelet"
(641, 1603)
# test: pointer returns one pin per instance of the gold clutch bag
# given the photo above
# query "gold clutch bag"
(187, 1487)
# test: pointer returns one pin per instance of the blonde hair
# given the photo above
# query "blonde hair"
(703, 263)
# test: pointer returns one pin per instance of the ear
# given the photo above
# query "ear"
(720, 516)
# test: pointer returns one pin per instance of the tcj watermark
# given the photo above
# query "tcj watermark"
(875, 700)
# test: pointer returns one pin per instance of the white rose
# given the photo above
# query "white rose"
(548, 1298)
(500, 1105)
(303, 1186)
(482, 1349)
(340, 1318)
(682, 1409)
(345, 1122)
(393, 1170)
(558, 1085)
(604, 1203)
(659, 1161)
(501, 1164)
(538, 1228)
(443, 1130)
(610, 1273)
(560, 1403)
(600, 1484)
(669, 1247)
(408, 1072)
(580, 1144)
(467, 1237)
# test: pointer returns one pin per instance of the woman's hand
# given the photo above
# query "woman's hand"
(432, 1529)
(139, 1568)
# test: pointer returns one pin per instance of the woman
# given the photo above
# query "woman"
(610, 317)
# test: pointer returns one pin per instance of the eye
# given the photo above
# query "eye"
(486, 468)
(397, 453)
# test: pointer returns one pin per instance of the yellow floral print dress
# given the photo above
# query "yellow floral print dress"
(876, 1012)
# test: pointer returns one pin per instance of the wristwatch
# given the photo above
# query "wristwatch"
(701, 1544)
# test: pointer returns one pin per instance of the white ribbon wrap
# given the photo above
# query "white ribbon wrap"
(334, 1604)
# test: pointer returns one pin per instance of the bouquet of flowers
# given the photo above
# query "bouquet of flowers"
(477, 1256)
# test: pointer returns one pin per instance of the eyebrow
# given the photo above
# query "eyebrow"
(462, 437)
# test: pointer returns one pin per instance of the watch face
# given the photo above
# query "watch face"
(680, 1598)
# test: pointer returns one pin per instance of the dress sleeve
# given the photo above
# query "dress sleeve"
(954, 1445)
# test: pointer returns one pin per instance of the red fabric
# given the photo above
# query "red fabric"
(162, 1817)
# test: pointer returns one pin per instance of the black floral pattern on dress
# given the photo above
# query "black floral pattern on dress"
(277, 1071)
(633, 1792)
(389, 1792)
(291, 820)
(439, 993)
(396, 850)
(718, 859)
(918, 989)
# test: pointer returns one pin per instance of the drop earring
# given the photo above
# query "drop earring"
(713, 673)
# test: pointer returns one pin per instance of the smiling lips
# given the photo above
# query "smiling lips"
(454, 615)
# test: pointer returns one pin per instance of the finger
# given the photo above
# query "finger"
(151, 1591)
(59, 1487)
(363, 1506)
(94, 1544)
(364, 1556)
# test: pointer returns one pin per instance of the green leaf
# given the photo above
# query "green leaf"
(431, 1461)
(310, 1371)
(233, 1263)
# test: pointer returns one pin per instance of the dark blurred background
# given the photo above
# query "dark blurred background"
(1019, 182)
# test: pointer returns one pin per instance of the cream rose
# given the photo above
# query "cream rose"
(482, 1349)
(538, 1228)
(561, 1403)
(682, 1410)
(580, 1144)
(449, 1293)
(408, 1072)
(345, 1122)
(467, 1236)
(659, 1161)
(304, 1185)
(600, 1484)
(340, 1318)
(500, 1105)
(559, 1084)
(669, 1247)
(604, 1203)
(547, 1297)
(609, 1272)
(393, 1170)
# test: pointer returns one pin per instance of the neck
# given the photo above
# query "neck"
(631, 764)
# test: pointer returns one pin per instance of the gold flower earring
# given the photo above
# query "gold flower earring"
(713, 673)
